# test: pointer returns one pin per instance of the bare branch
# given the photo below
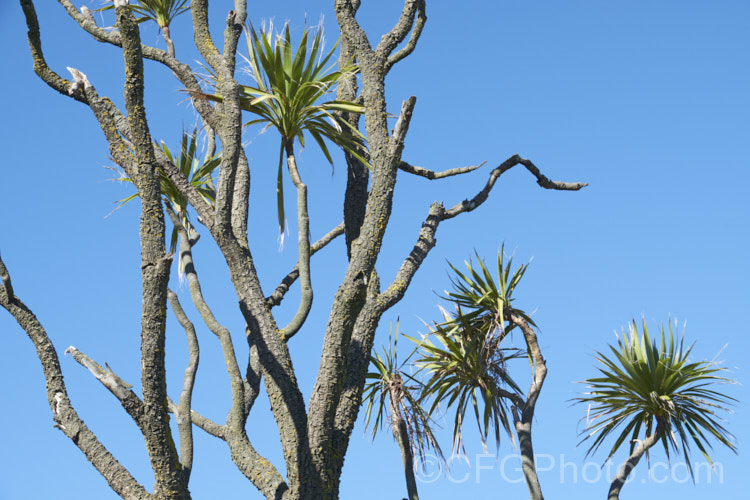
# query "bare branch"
(155, 267)
(303, 246)
(481, 197)
(393, 38)
(278, 295)
(182, 71)
(402, 127)
(523, 424)
(207, 425)
(350, 28)
(235, 21)
(221, 332)
(416, 32)
(40, 65)
(184, 422)
(425, 242)
(432, 175)
(114, 384)
(203, 41)
(65, 417)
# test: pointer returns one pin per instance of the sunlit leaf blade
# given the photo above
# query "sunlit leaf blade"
(199, 174)
(162, 12)
(291, 86)
(464, 359)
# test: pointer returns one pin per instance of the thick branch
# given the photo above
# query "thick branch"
(184, 422)
(203, 41)
(357, 174)
(64, 415)
(481, 197)
(155, 266)
(241, 198)
(278, 295)
(425, 242)
(350, 28)
(432, 175)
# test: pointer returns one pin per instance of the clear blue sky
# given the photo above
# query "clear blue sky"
(646, 101)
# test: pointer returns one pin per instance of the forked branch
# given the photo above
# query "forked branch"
(416, 32)
(393, 38)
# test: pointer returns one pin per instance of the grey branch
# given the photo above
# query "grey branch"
(278, 295)
(255, 467)
(402, 127)
(65, 417)
(627, 467)
(196, 293)
(393, 38)
(481, 197)
(48, 76)
(426, 240)
(524, 421)
(207, 425)
(303, 249)
(416, 32)
(432, 175)
(114, 384)
(184, 422)
(183, 72)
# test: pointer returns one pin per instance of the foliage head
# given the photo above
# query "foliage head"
(652, 385)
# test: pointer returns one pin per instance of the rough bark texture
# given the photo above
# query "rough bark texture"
(314, 436)
(527, 407)
(622, 475)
